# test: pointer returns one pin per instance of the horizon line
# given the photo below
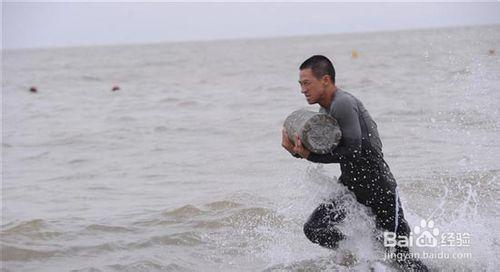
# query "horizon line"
(236, 39)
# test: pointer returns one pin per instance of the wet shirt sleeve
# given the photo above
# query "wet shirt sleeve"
(347, 115)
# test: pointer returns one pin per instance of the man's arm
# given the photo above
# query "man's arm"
(350, 146)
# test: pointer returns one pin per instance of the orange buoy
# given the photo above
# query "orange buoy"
(354, 54)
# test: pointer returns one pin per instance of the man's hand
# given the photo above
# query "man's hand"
(296, 150)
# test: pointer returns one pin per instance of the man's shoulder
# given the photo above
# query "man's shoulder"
(343, 98)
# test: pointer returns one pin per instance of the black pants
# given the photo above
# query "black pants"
(374, 186)
(321, 228)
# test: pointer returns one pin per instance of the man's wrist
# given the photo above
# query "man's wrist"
(301, 156)
(306, 154)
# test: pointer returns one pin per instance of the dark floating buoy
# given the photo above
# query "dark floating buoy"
(33, 89)
(115, 88)
(491, 51)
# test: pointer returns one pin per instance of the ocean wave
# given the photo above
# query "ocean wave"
(216, 215)
(464, 118)
(154, 222)
(318, 264)
(147, 265)
(16, 253)
(184, 211)
(87, 269)
(94, 249)
(208, 224)
(253, 217)
(222, 205)
(97, 228)
(177, 239)
(24, 253)
(465, 194)
(25, 226)
(36, 229)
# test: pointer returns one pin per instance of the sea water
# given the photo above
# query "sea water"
(182, 169)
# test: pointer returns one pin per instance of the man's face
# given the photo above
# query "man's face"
(312, 88)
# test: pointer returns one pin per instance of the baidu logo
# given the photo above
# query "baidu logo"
(426, 235)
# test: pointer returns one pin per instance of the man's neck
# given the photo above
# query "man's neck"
(326, 100)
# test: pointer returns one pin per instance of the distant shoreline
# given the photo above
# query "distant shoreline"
(254, 39)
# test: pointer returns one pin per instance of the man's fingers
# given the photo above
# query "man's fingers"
(285, 138)
(284, 134)
(297, 141)
(285, 142)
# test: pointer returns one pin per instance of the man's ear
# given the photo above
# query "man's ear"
(325, 79)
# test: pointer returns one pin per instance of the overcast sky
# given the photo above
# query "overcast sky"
(37, 24)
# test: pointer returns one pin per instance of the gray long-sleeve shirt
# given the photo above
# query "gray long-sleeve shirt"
(356, 125)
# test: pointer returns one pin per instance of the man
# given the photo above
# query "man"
(363, 169)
